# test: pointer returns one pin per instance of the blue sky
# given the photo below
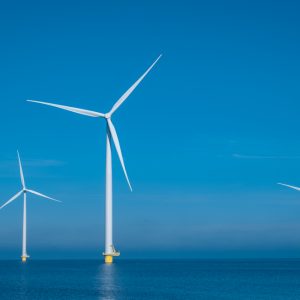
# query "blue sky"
(205, 137)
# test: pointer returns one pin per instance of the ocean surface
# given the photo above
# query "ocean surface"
(150, 279)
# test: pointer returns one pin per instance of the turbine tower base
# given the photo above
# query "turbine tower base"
(24, 258)
(109, 257)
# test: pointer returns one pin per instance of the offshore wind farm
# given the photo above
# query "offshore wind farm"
(179, 174)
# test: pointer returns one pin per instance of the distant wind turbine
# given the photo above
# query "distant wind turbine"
(290, 186)
(24, 191)
(111, 135)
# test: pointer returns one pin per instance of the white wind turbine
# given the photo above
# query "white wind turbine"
(290, 186)
(24, 191)
(111, 134)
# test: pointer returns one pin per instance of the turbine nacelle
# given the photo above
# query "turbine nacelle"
(107, 116)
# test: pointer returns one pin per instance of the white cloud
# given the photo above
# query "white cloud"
(247, 156)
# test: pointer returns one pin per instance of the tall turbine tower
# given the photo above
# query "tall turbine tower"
(111, 135)
(24, 191)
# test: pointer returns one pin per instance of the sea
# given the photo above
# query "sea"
(150, 279)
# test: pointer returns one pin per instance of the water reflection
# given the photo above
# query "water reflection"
(23, 280)
(107, 283)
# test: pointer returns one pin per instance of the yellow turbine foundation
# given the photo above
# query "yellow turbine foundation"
(108, 259)
(24, 258)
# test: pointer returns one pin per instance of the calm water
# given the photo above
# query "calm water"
(152, 279)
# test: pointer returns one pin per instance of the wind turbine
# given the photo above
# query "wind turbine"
(111, 135)
(290, 186)
(24, 191)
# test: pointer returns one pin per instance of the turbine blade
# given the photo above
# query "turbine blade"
(131, 89)
(80, 111)
(41, 195)
(21, 171)
(118, 148)
(290, 186)
(12, 199)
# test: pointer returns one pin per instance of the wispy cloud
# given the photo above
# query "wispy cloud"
(32, 163)
(44, 163)
(249, 156)
(9, 168)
